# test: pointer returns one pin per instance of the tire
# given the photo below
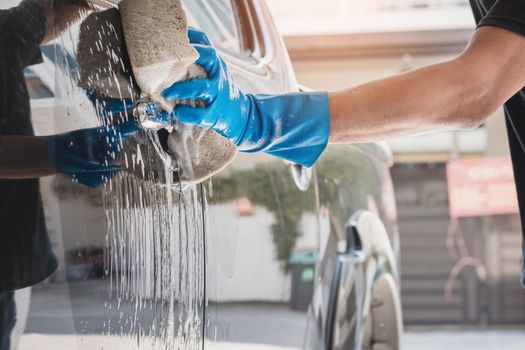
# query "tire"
(386, 315)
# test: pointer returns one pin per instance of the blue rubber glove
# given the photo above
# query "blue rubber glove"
(90, 156)
(108, 108)
(292, 126)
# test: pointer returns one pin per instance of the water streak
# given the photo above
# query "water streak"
(155, 262)
(154, 245)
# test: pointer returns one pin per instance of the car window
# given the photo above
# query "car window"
(218, 19)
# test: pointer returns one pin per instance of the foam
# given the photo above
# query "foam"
(209, 153)
(102, 58)
(194, 153)
(158, 45)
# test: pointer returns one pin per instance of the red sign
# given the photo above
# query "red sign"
(479, 187)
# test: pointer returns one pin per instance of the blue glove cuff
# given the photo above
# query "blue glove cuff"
(293, 126)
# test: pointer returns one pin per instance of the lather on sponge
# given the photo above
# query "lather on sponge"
(156, 38)
(156, 42)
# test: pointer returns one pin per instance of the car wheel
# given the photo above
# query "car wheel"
(385, 321)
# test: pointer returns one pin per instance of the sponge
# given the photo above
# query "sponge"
(199, 153)
(102, 58)
(159, 50)
(156, 37)
(117, 52)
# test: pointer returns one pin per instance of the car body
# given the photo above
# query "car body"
(264, 255)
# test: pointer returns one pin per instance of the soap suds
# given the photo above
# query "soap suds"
(159, 49)
(160, 55)
(104, 71)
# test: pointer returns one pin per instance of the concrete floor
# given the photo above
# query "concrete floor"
(428, 340)
(52, 314)
(444, 339)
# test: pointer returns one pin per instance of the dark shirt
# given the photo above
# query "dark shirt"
(510, 15)
(25, 251)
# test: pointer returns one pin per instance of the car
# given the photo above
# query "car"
(264, 255)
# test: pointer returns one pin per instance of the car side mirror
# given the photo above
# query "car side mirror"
(302, 176)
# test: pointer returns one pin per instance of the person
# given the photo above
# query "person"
(26, 257)
(457, 94)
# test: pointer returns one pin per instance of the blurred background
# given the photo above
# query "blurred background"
(460, 234)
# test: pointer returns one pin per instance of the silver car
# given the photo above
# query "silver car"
(264, 255)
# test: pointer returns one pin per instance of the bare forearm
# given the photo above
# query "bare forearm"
(24, 157)
(457, 94)
(428, 99)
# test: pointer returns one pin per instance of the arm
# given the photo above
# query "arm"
(24, 157)
(457, 94)
(90, 156)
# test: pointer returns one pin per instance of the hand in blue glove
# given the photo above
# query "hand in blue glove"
(108, 108)
(90, 156)
(292, 126)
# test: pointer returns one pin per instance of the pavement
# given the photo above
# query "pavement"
(428, 340)
(72, 318)
(465, 339)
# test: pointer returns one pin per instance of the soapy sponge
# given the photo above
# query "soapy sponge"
(158, 46)
(113, 67)
(160, 53)
(102, 57)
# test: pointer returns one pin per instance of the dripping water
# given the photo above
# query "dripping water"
(154, 247)
(155, 258)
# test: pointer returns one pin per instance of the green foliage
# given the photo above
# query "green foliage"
(345, 176)
(271, 186)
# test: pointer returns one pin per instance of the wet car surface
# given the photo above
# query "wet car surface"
(264, 255)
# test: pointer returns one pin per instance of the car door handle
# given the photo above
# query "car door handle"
(352, 248)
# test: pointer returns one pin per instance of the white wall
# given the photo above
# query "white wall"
(242, 262)
(245, 268)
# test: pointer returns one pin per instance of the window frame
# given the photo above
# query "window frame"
(257, 38)
(253, 40)
(249, 26)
